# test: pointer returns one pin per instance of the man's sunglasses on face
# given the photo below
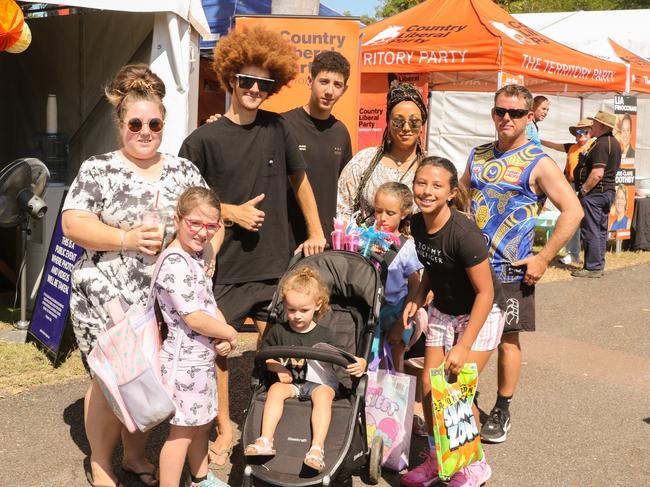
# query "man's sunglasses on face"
(512, 112)
(582, 131)
(246, 82)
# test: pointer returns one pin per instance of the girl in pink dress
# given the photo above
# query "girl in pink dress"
(197, 331)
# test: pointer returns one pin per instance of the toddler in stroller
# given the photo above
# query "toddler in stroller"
(288, 442)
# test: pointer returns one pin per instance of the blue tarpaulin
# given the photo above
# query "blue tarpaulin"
(221, 14)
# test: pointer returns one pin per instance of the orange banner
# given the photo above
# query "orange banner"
(309, 36)
(372, 111)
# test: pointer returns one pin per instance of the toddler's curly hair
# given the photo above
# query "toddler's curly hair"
(256, 46)
(307, 280)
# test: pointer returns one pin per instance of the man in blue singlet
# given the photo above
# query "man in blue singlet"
(508, 179)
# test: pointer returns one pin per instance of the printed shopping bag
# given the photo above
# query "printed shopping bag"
(389, 411)
(455, 428)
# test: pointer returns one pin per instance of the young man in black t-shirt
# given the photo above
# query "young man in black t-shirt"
(323, 140)
(247, 157)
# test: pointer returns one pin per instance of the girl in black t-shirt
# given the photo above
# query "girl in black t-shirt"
(305, 298)
(465, 320)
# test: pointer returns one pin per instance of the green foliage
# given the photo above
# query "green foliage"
(534, 6)
(389, 8)
(392, 7)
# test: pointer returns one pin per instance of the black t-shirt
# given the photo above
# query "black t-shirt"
(326, 147)
(281, 334)
(240, 162)
(445, 255)
(604, 152)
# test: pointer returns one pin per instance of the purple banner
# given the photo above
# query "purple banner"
(53, 299)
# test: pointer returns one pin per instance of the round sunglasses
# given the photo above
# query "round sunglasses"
(135, 125)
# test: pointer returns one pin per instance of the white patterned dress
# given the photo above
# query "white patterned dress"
(183, 288)
(350, 179)
(108, 187)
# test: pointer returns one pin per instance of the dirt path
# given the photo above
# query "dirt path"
(581, 416)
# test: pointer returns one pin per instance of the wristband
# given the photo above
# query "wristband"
(122, 239)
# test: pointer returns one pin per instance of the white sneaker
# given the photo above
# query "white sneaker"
(566, 260)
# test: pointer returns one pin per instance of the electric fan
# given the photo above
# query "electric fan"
(22, 185)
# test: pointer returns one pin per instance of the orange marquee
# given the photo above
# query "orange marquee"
(472, 37)
(640, 68)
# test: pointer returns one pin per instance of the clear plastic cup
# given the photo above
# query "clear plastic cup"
(158, 219)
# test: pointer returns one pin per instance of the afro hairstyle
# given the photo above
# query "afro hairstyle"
(256, 46)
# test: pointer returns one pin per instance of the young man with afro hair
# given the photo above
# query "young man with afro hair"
(247, 156)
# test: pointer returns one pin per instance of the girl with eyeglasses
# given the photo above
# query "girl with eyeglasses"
(396, 159)
(199, 330)
(103, 212)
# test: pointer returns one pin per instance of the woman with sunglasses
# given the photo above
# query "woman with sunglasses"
(582, 132)
(396, 159)
(103, 212)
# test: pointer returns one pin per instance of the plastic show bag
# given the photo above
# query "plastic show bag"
(125, 362)
(389, 411)
(458, 442)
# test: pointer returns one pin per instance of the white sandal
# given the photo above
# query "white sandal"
(264, 450)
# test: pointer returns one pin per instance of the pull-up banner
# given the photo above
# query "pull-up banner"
(620, 216)
(53, 299)
(309, 36)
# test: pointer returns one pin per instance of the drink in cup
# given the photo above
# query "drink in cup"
(155, 218)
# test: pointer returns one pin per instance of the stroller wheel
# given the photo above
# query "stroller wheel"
(374, 464)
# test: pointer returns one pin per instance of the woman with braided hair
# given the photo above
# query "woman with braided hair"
(394, 160)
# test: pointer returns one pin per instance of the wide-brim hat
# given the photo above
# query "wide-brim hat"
(585, 123)
(605, 118)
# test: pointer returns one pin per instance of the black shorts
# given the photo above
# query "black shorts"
(241, 300)
(520, 307)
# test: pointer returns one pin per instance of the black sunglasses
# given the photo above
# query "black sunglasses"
(246, 82)
(398, 123)
(513, 112)
(135, 125)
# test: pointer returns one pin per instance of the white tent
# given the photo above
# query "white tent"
(461, 120)
(77, 47)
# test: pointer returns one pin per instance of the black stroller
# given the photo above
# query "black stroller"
(356, 294)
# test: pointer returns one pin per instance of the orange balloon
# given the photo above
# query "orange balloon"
(12, 28)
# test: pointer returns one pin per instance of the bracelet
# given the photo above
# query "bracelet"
(228, 223)
(122, 239)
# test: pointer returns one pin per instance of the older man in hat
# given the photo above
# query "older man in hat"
(595, 177)
(582, 132)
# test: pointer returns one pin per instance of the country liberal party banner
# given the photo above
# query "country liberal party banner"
(620, 216)
(309, 36)
(372, 101)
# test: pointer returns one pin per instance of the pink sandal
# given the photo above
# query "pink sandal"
(263, 447)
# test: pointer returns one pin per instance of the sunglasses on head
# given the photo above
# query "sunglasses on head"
(582, 131)
(196, 226)
(398, 123)
(246, 82)
(512, 112)
(135, 125)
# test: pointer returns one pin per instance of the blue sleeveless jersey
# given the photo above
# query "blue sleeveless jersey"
(503, 205)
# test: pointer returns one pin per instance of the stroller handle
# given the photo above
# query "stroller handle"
(337, 357)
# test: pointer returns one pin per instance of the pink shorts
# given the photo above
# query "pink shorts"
(443, 328)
